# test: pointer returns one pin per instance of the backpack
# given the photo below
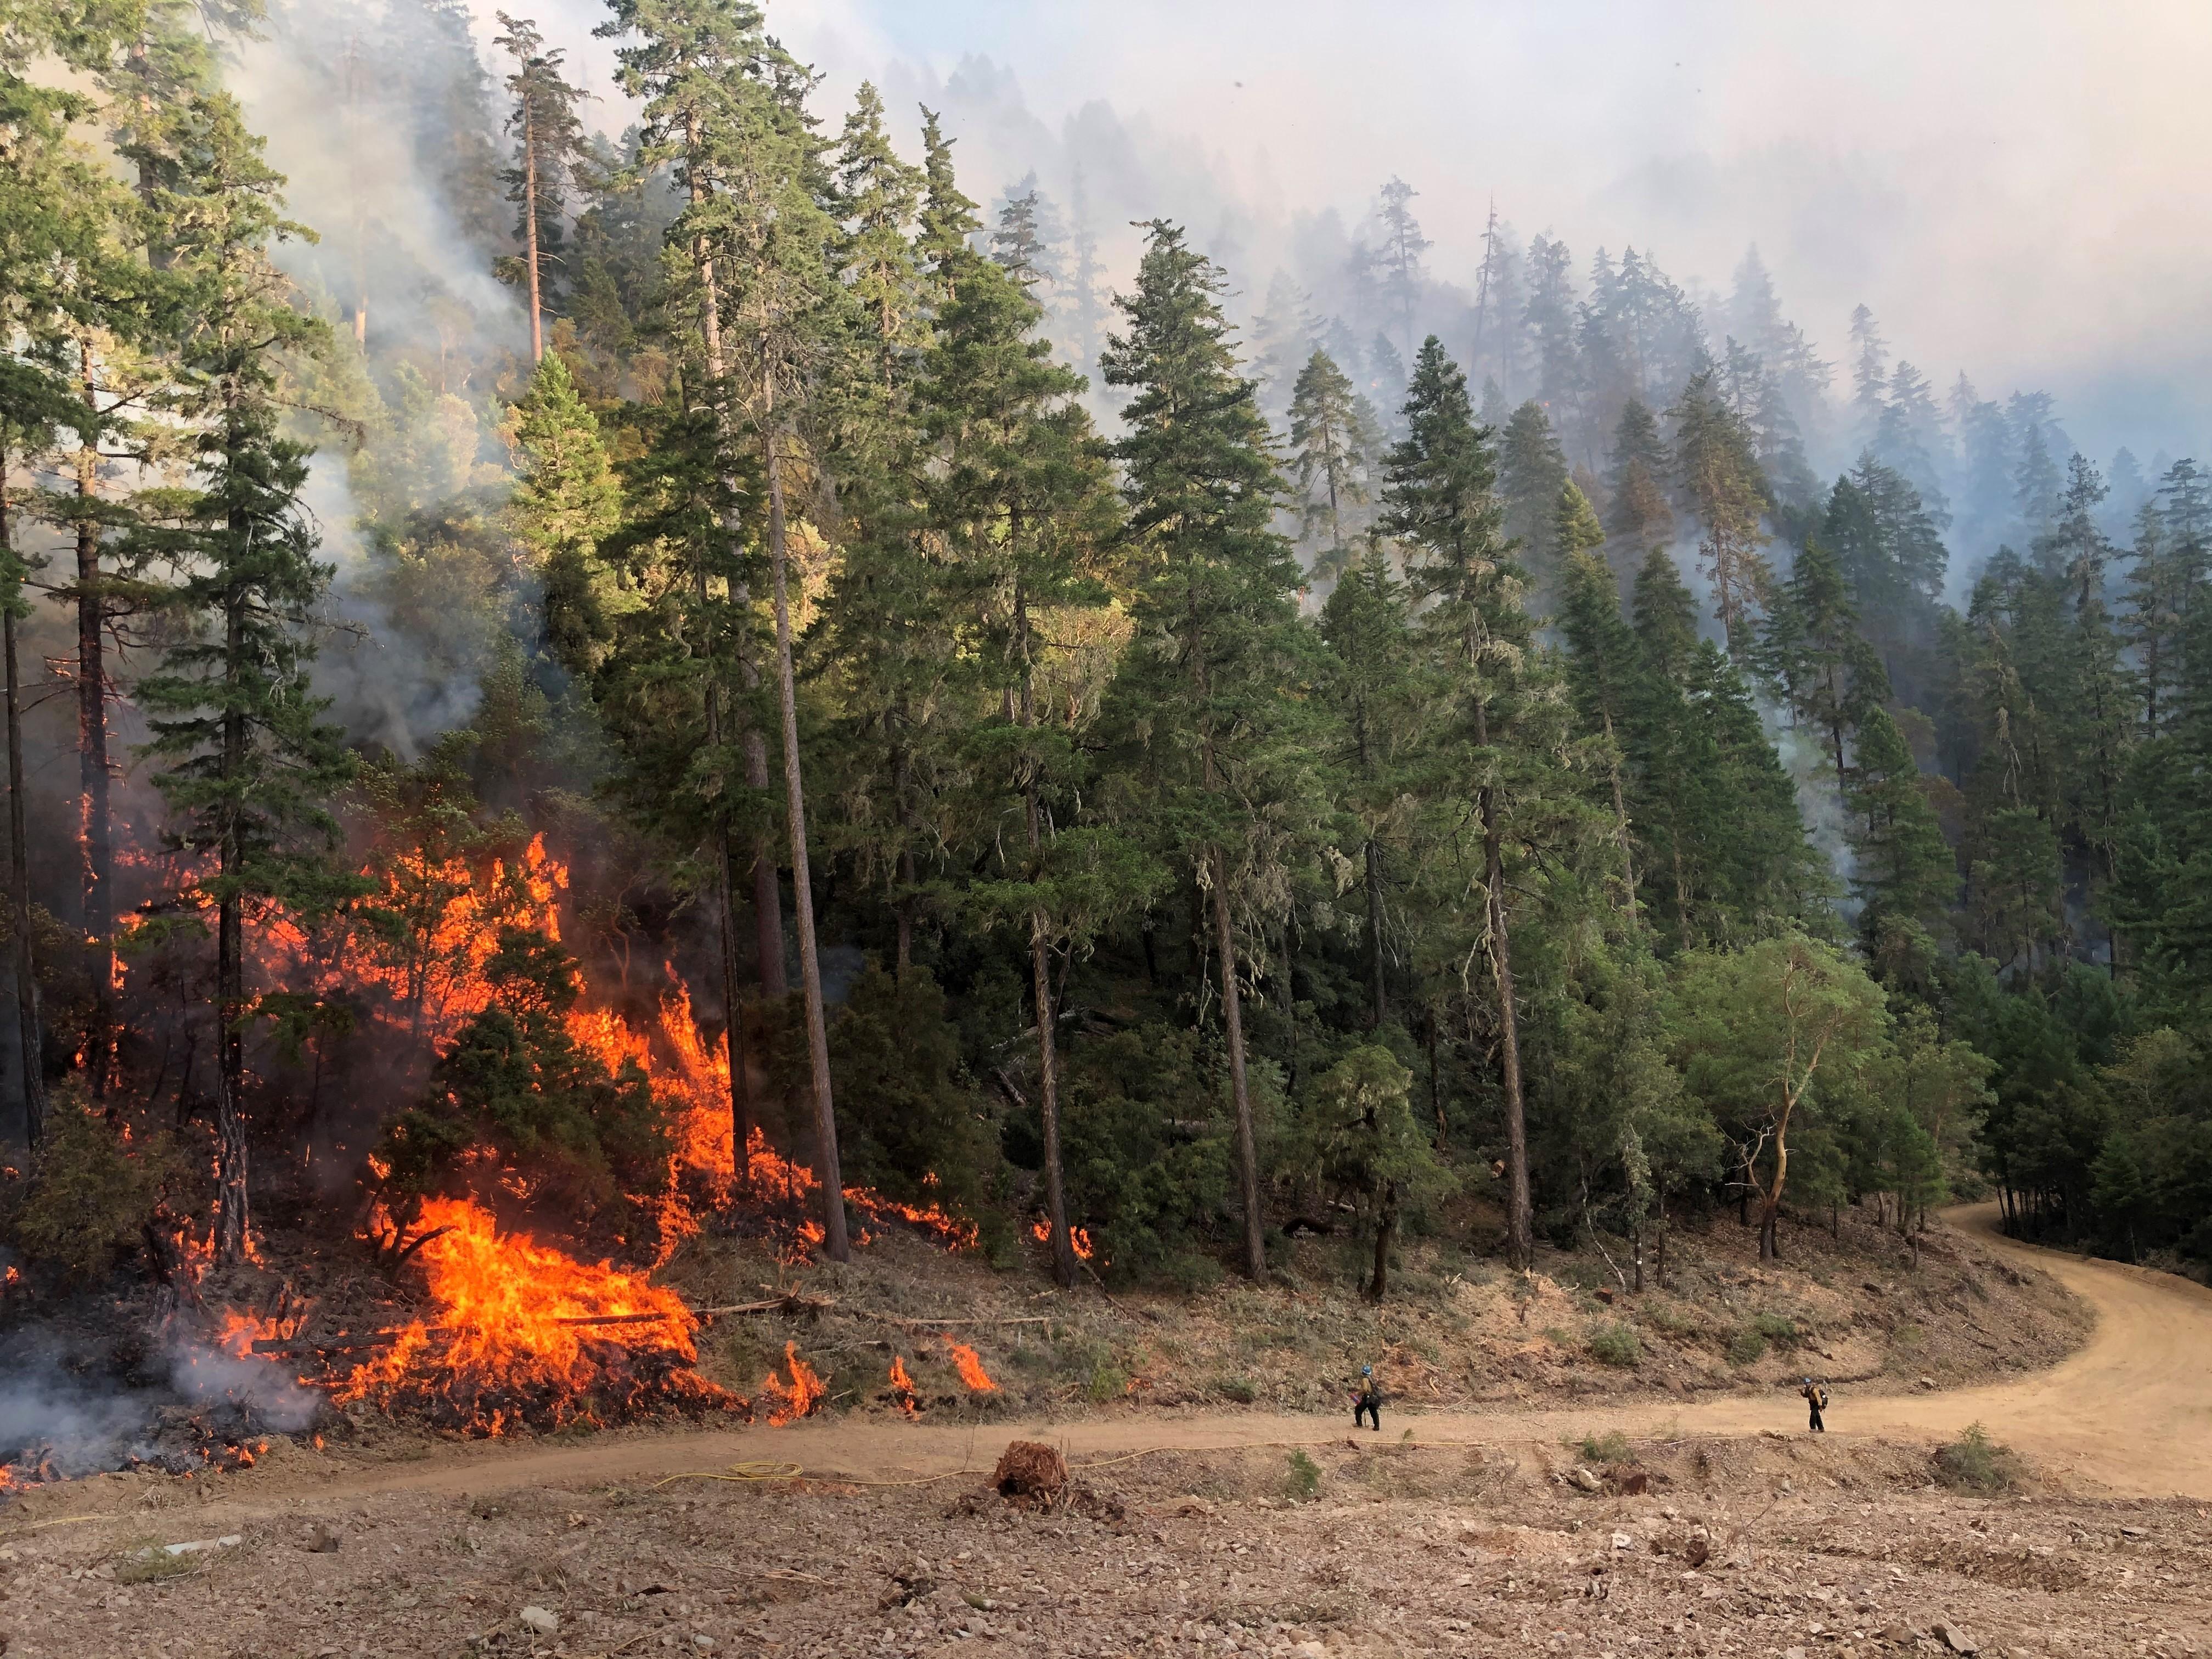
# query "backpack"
(1820, 1397)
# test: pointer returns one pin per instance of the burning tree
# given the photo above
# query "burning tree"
(517, 1099)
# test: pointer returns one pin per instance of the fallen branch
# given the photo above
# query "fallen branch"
(893, 1319)
(794, 1304)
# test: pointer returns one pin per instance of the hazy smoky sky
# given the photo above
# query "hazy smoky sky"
(2012, 185)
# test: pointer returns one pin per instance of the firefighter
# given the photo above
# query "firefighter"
(1367, 1404)
(1816, 1396)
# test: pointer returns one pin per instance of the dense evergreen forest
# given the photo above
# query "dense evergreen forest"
(1537, 758)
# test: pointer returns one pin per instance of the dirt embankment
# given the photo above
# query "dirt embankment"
(1861, 1305)
(1206, 1532)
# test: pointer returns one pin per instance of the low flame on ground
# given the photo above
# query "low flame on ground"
(970, 1368)
(1079, 1237)
(787, 1403)
(697, 1080)
(507, 1347)
(902, 1388)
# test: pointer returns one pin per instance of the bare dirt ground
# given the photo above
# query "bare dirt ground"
(1212, 1531)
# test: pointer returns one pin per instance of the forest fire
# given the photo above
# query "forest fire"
(903, 1391)
(525, 1335)
(800, 1397)
(964, 1361)
(1079, 1237)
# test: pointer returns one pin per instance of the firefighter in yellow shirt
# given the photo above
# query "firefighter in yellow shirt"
(1816, 1396)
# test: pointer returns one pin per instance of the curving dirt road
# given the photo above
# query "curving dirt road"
(2130, 1413)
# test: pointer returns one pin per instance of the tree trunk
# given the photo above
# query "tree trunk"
(1224, 944)
(1247, 1152)
(1386, 1235)
(1056, 1187)
(1636, 1254)
(1435, 1081)
(1378, 986)
(1520, 1222)
(29, 1041)
(231, 1214)
(1621, 826)
(902, 909)
(733, 1040)
(836, 1239)
(529, 230)
(1769, 1209)
(768, 899)
(726, 891)
(1056, 1192)
(93, 773)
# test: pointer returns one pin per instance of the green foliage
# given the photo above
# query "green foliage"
(1747, 1346)
(1332, 450)
(515, 1081)
(1975, 1463)
(566, 501)
(907, 1124)
(1147, 1149)
(1616, 1345)
(92, 1191)
(1301, 1484)
(1610, 1447)
(1777, 1328)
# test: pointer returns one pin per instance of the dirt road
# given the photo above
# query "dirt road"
(2130, 1413)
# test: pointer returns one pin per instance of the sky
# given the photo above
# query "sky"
(2015, 189)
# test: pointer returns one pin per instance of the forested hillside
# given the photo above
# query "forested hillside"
(1131, 761)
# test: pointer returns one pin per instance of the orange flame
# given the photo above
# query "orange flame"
(804, 1394)
(902, 1388)
(698, 1082)
(1079, 1237)
(525, 1333)
(434, 978)
(970, 1368)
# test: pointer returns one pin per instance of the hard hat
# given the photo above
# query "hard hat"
(1367, 1370)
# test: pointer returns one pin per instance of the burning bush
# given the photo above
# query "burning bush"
(93, 1191)
(525, 1335)
(516, 1083)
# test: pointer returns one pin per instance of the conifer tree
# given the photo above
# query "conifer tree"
(1905, 868)
(1218, 650)
(1531, 469)
(248, 766)
(725, 103)
(948, 217)
(1330, 441)
(1721, 485)
(1020, 493)
(1812, 651)
(549, 150)
(80, 394)
(1397, 258)
(1602, 668)
(877, 196)
(689, 67)
(1638, 516)
(1025, 242)
(60, 211)
(888, 646)
(1441, 499)
(1366, 625)
(567, 500)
